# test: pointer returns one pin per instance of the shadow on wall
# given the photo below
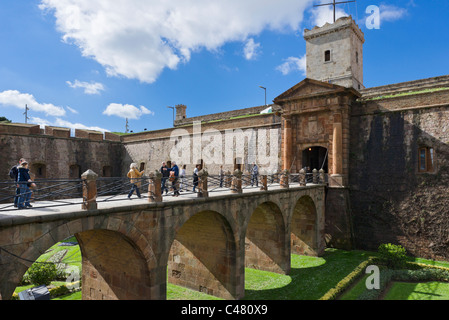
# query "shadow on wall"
(399, 166)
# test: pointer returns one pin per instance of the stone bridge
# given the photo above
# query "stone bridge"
(130, 248)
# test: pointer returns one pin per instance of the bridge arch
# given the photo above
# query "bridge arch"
(266, 245)
(108, 246)
(304, 227)
(203, 255)
(114, 268)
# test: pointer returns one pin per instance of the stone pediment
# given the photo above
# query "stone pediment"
(308, 88)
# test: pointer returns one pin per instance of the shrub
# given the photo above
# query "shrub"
(42, 273)
(394, 256)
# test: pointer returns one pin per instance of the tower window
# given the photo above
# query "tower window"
(426, 159)
(327, 55)
(356, 57)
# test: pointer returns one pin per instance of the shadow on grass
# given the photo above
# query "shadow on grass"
(309, 279)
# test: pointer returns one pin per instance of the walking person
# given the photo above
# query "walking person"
(254, 175)
(165, 171)
(174, 180)
(134, 175)
(221, 176)
(23, 183)
(182, 175)
(195, 177)
(13, 174)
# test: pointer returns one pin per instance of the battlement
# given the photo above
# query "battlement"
(57, 132)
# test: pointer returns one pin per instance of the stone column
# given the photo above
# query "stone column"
(263, 180)
(322, 177)
(287, 152)
(315, 176)
(283, 180)
(228, 179)
(202, 184)
(154, 190)
(302, 178)
(89, 190)
(337, 156)
(236, 185)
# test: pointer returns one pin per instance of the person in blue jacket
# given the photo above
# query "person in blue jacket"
(174, 179)
(23, 183)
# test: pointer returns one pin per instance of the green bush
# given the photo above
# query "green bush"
(393, 256)
(42, 273)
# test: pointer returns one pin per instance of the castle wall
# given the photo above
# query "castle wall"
(55, 151)
(391, 200)
(182, 144)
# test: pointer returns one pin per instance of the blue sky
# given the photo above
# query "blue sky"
(93, 63)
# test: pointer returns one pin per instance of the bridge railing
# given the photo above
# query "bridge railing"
(91, 189)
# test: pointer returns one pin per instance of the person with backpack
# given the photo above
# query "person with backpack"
(23, 183)
(13, 174)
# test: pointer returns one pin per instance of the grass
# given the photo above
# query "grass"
(432, 290)
(71, 254)
(407, 93)
(309, 279)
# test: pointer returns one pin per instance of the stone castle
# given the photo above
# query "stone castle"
(386, 149)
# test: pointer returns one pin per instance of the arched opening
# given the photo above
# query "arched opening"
(238, 163)
(109, 265)
(114, 268)
(304, 228)
(203, 256)
(315, 158)
(74, 171)
(107, 171)
(265, 242)
(59, 267)
(39, 170)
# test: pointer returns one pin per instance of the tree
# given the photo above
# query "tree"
(5, 120)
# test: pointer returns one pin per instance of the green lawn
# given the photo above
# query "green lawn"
(418, 291)
(309, 279)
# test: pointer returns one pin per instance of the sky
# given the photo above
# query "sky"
(92, 64)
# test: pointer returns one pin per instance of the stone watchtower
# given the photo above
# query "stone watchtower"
(316, 111)
(335, 53)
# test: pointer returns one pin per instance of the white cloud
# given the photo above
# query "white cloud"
(72, 110)
(17, 99)
(65, 124)
(391, 13)
(293, 64)
(89, 87)
(251, 49)
(138, 39)
(126, 111)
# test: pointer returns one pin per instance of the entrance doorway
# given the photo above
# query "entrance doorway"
(315, 158)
